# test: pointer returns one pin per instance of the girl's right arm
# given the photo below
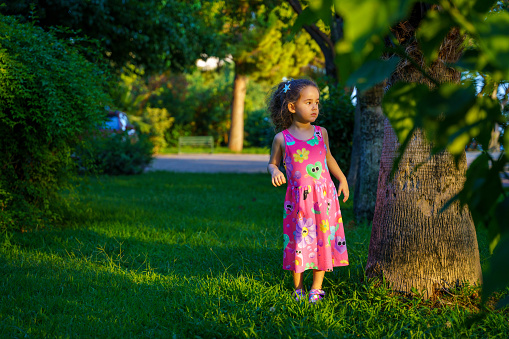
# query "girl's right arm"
(278, 178)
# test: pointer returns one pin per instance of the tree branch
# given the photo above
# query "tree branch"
(320, 37)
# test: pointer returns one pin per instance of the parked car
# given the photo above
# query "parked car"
(118, 121)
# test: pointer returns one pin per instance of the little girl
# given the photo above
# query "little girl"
(313, 226)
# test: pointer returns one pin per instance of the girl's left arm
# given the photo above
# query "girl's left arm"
(334, 169)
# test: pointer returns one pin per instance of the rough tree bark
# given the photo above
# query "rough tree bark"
(412, 244)
(236, 140)
(371, 136)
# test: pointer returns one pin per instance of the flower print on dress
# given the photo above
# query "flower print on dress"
(324, 227)
(314, 141)
(289, 140)
(297, 175)
(305, 232)
(288, 163)
(301, 155)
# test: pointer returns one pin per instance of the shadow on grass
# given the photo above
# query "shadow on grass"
(82, 283)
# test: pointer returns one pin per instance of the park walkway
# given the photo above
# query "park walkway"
(211, 163)
(230, 163)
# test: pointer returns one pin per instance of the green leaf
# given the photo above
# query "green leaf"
(364, 18)
(366, 23)
(400, 106)
(322, 8)
(494, 43)
(496, 276)
(431, 33)
(306, 17)
(483, 6)
(372, 72)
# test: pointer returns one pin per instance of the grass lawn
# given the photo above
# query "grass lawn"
(199, 255)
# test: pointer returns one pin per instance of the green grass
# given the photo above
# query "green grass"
(217, 150)
(198, 255)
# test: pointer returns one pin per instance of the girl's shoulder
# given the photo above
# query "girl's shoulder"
(321, 129)
(279, 136)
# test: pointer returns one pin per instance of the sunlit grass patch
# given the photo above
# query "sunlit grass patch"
(166, 254)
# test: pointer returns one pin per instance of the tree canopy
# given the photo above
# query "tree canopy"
(155, 34)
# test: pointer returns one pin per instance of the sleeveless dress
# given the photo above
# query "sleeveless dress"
(313, 227)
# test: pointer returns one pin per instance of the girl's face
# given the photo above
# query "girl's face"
(305, 109)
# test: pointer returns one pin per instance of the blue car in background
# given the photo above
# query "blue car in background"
(118, 122)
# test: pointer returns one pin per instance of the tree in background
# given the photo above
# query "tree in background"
(371, 125)
(254, 35)
(154, 34)
(325, 26)
(44, 82)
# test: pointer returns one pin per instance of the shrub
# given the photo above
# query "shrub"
(258, 129)
(50, 95)
(116, 154)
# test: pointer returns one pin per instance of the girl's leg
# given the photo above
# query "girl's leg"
(298, 280)
(316, 294)
(317, 279)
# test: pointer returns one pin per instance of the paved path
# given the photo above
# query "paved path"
(210, 163)
(230, 163)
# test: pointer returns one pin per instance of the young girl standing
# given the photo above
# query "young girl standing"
(313, 226)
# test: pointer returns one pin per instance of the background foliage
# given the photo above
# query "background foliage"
(116, 154)
(50, 96)
(154, 34)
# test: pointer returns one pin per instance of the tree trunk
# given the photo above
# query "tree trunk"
(412, 244)
(236, 140)
(371, 140)
(356, 148)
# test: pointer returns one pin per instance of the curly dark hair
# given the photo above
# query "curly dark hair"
(278, 101)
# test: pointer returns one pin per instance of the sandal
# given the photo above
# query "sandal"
(299, 295)
(316, 295)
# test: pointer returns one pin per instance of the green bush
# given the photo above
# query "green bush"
(337, 116)
(258, 129)
(50, 95)
(116, 154)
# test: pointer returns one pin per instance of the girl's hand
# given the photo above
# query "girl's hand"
(278, 178)
(343, 187)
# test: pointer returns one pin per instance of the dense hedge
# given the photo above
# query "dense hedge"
(49, 97)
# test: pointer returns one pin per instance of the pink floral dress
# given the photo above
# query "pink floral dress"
(313, 227)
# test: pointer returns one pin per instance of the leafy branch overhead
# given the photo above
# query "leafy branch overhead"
(157, 35)
(375, 47)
